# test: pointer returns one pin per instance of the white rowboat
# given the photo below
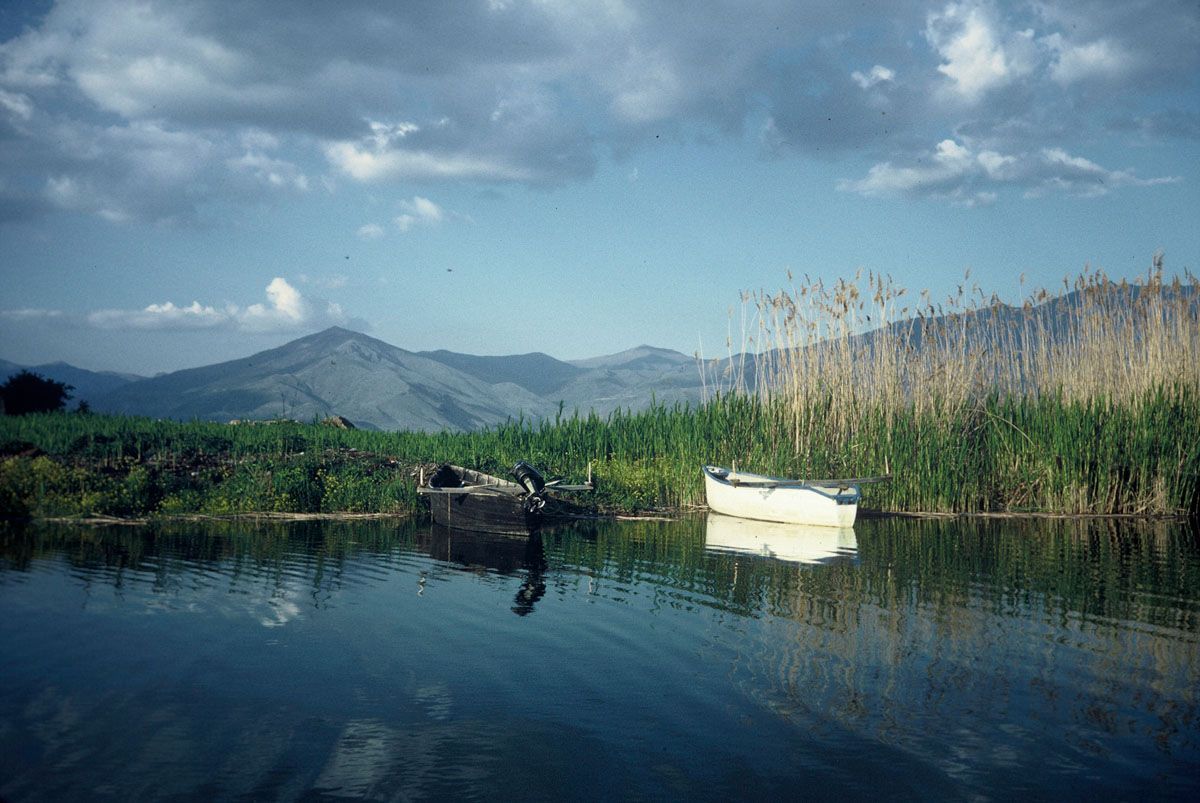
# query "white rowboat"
(826, 503)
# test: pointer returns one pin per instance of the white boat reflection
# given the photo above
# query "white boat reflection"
(796, 543)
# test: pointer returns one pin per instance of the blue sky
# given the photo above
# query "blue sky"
(186, 182)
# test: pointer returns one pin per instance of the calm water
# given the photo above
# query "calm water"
(702, 659)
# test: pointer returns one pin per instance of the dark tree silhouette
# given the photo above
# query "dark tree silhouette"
(28, 392)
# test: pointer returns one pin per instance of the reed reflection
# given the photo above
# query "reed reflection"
(1020, 655)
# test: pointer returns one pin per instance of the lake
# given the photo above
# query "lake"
(699, 659)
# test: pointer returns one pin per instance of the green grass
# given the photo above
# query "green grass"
(1010, 453)
(987, 410)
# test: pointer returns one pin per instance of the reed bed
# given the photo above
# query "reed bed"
(1087, 401)
(1082, 401)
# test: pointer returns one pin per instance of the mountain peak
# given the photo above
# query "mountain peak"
(642, 356)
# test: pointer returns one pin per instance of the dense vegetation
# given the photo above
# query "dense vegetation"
(27, 392)
(1084, 403)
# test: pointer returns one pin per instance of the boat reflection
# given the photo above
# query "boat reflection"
(795, 543)
(505, 554)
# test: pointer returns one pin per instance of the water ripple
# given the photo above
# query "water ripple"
(951, 659)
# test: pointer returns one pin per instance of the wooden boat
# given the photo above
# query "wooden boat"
(826, 503)
(467, 499)
(794, 543)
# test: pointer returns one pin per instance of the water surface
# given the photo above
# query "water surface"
(699, 659)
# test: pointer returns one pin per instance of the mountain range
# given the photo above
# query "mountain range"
(377, 385)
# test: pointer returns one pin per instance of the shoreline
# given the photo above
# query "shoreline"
(872, 515)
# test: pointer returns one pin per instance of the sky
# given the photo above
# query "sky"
(188, 182)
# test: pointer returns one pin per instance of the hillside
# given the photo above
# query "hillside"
(372, 383)
(380, 386)
(88, 385)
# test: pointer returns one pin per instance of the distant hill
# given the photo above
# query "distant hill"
(642, 358)
(538, 373)
(380, 386)
(337, 371)
(88, 385)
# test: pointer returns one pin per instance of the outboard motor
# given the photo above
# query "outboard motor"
(533, 483)
(529, 477)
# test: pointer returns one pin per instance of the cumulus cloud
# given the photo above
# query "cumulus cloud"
(973, 177)
(977, 54)
(162, 316)
(877, 75)
(270, 171)
(419, 212)
(370, 231)
(150, 111)
(1099, 59)
(367, 161)
(384, 154)
(285, 310)
(1075, 175)
(16, 104)
(952, 172)
(648, 87)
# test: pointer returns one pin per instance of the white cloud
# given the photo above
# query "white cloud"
(285, 304)
(140, 171)
(370, 231)
(30, 314)
(1099, 59)
(161, 316)
(144, 61)
(82, 195)
(947, 175)
(962, 175)
(878, 74)
(16, 104)
(272, 172)
(368, 161)
(285, 310)
(996, 165)
(978, 56)
(167, 112)
(383, 135)
(1075, 175)
(255, 139)
(647, 88)
(419, 212)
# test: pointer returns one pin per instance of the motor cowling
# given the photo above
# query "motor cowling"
(533, 483)
(529, 477)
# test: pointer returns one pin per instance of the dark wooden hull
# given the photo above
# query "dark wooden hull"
(488, 513)
(465, 499)
(505, 553)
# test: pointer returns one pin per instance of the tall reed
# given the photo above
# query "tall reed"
(859, 381)
(1084, 401)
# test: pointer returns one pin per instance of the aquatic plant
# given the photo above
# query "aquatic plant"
(1077, 403)
(1071, 402)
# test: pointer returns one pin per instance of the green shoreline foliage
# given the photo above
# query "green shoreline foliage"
(1013, 454)
(1083, 403)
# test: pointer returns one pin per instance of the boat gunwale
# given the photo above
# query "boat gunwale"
(721, 475)
(474, 482)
